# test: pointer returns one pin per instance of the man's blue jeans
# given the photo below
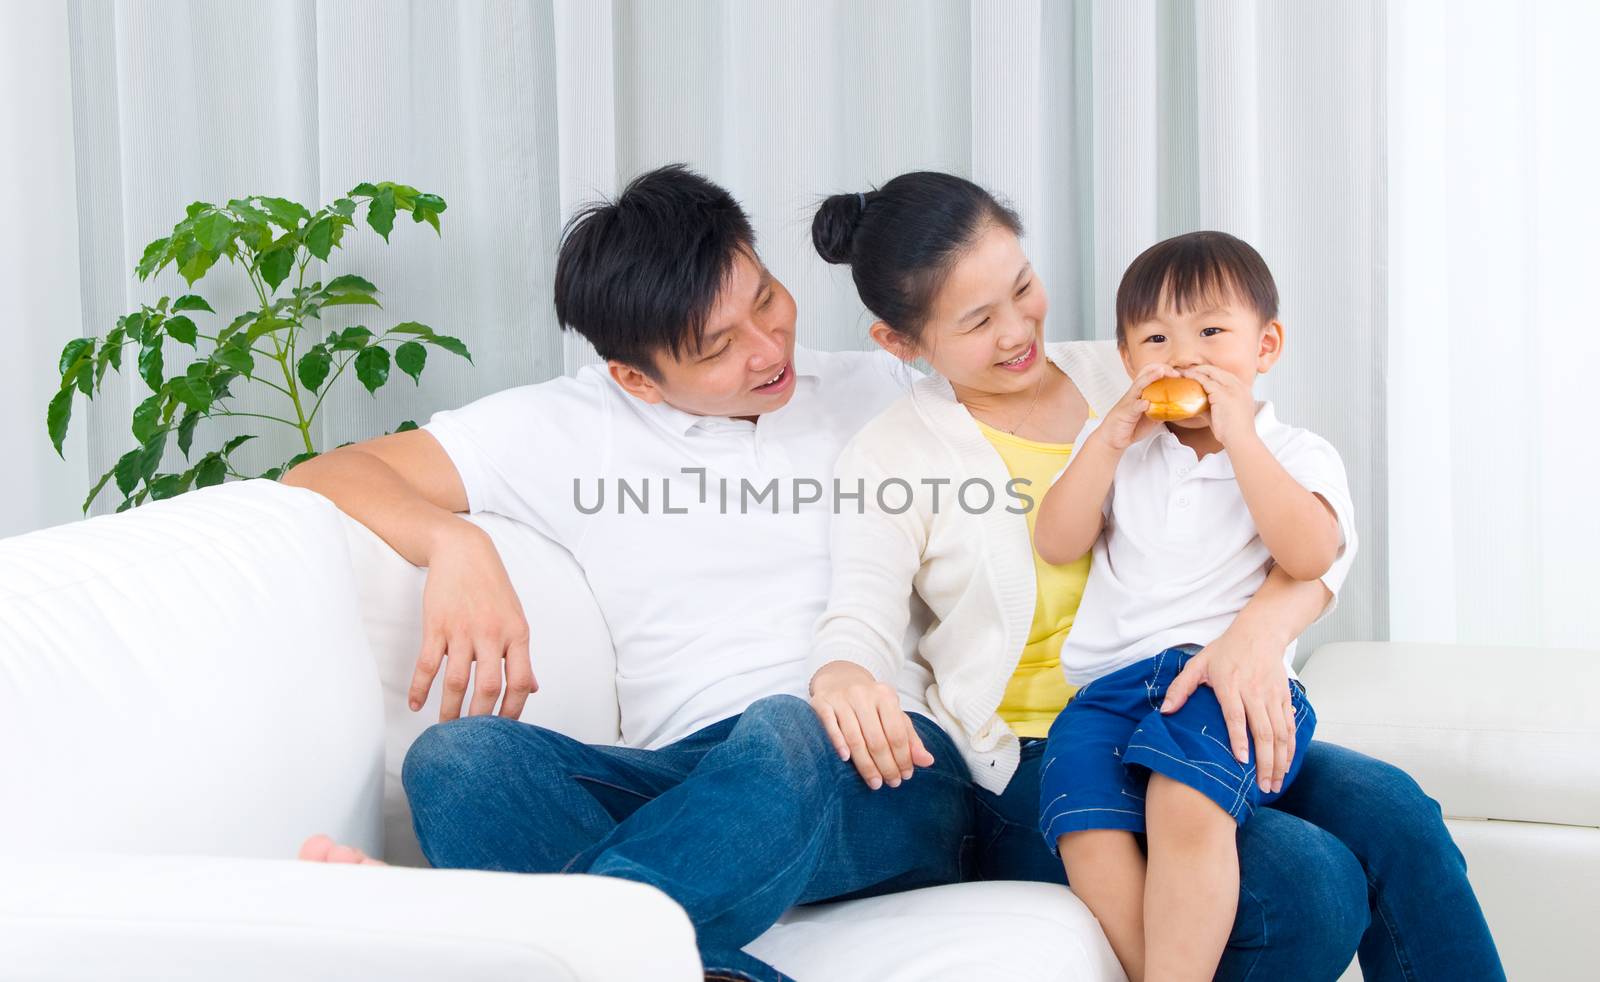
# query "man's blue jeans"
(1354, 853)
(737, 822)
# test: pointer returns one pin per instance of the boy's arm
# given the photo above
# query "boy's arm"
(1298, 527)
(1072, 514)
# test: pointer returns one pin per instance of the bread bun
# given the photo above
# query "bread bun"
(1175, 398)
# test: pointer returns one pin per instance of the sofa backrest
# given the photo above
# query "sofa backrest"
(570, 648)
(187, 677)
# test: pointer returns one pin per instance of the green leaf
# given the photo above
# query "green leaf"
(127, 471)
(350, 283)
(84, 374)
(380, 214)
(412, 327)
(347, 299)
(94, 492)
(70, 355)
(313, 367)
(150, 453)
(147, 417)
(364, 188)
(272, 473)
(372, 367)
(212, 230)
(345, 207)
(236, 442)
(211, 470)
(236, 356)
(432, 202)
(237, 324)
(166, 486)
(352, 338)
(411, 356)
(284, 212)
(406, 426)
(57, 417)
(196, 266)
(134, 324)
(186, 431)
(274, 266)
(156, 255)
(150, 363)
(265, 324)
(449, 344)
(182, 330)
(110, 351)
(298, 459)
(319, 238)
(192, 301)
(193, 391)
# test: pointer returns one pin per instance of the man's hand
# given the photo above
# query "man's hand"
(863, 718)
(1252, 684)
(470, 612)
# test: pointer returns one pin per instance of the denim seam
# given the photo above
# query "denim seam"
(1388, 928)
(1239, 797)
(1266, 942)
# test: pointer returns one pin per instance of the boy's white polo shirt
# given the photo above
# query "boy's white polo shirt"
(710, 605)
(1180, 555)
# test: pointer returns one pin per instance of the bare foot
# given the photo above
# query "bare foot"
(321, 849)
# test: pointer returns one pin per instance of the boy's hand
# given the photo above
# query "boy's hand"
(1233, 405)
(863, 718)
(1126, 422)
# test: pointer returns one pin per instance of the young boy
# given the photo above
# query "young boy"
(1185, 519)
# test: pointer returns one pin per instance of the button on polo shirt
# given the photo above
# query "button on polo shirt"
(697, 534)
(1180, 555)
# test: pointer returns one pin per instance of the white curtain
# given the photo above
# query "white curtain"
(1109, 125)
(1494, 237)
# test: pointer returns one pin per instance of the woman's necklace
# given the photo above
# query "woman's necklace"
(1037, 388)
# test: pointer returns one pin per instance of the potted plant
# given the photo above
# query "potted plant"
(269, 345)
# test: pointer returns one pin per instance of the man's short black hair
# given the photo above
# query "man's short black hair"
(1189, 270)
(640, 274)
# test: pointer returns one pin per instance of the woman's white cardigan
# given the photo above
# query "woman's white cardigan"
(973, 570)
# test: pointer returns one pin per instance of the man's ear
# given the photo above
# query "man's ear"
(635, 382)
(893, 341)
(1270, 348)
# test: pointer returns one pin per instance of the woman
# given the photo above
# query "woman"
(1353, 854)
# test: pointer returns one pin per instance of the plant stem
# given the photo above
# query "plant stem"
(235, 412)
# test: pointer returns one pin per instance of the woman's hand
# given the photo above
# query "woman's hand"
(863, 718)
(1126, 423)
(1250, 681)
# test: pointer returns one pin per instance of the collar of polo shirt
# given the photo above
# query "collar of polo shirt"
(682, 423)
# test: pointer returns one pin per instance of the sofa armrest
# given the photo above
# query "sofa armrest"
(78, 915)
(1490, 732)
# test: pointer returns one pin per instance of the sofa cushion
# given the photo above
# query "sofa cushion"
(180, 678)
(989, 930)
(1489, 731)
(569, 647)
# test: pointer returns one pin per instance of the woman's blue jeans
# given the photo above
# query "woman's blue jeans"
(1354, 858)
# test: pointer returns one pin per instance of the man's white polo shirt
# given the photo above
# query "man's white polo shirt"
(694, 532)
(1180, 555)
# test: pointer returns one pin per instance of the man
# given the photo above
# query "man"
(691, 478)
(726, 793)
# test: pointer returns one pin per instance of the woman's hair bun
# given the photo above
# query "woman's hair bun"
(833, 228)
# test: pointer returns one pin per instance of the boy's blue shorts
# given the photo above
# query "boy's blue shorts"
(1112, 734)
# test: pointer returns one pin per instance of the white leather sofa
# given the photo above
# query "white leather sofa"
(189, 689)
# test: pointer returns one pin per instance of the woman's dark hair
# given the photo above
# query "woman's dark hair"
(641, 273)
(902, 240)
(1192, 269)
